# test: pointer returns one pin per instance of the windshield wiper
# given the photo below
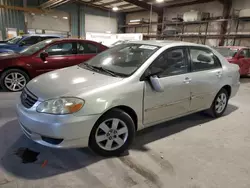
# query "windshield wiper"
(101, 69)
(106, 70)
(88, 66)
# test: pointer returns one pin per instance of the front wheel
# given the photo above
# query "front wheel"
(14, 80)
(220, 103)
(112, 134)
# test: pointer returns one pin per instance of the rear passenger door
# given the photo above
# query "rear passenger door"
(206, 75)
(85, 51)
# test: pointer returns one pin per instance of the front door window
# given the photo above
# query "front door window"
(60, 49)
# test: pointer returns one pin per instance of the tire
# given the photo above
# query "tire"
(216, 111)
(14, 75)
(109, 134)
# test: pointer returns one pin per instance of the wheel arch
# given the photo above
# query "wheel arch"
(228, 88)
(17, 67)
(126, 109)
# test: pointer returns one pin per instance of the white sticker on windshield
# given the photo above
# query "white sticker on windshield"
(148, 47)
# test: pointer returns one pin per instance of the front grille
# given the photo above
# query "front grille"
(28, 99)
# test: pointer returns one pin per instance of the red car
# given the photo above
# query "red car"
(18, 68)
(238, 55)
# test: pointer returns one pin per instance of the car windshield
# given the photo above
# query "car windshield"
(227, 52)
(122, 60)
(14, 40)
(36, 47)
(119, 42)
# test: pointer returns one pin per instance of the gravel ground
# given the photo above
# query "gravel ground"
(191, 152)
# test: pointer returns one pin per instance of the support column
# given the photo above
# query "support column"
(79, 21)
(159, 24)
(227, 5)
(25, 17)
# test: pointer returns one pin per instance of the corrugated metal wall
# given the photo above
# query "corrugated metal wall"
(11, 18)
(73, 10)
(15, 19)
(120, 17)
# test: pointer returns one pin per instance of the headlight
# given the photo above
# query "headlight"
(63, 105)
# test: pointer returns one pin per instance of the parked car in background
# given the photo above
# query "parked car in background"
(104, 101)
(19, 43)
(238, 55)
(117, 43)
(5, 41)
(17, 69)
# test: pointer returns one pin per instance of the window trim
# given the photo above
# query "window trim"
(215, 58)
(185, 49)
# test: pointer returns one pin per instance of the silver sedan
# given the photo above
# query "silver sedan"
(102, 103)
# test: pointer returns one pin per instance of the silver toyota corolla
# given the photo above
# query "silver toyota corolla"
(102, 103)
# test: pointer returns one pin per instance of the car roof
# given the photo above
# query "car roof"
(162, 43)
(70, 39)
(232, 47)
(42, 35)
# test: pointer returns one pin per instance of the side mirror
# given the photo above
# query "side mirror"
(156, 84)
(150, 72)
(44, 55)
(241, 56)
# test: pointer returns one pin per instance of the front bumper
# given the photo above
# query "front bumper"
(57, 131)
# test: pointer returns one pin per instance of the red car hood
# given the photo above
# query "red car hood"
(4, 56)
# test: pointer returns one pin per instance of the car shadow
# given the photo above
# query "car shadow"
(245, 79)
(53, 162)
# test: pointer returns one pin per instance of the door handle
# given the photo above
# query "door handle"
(219, 74)
(187, 80)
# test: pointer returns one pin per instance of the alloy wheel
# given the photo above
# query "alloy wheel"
(111, 134)
(221, 103)
(15, 81)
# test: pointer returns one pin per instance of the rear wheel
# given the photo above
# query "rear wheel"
(220, 103)
(112, 134)
(14, 80)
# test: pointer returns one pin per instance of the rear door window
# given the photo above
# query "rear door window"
(87, 48)
(203, 59)
(245, 53)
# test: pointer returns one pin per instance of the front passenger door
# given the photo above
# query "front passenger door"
(59, 57)
(174, 77)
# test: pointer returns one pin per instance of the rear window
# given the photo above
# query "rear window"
(227, 52)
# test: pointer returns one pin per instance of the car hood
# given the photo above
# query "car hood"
(4, 45)
(70, 81)
(11, 55)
